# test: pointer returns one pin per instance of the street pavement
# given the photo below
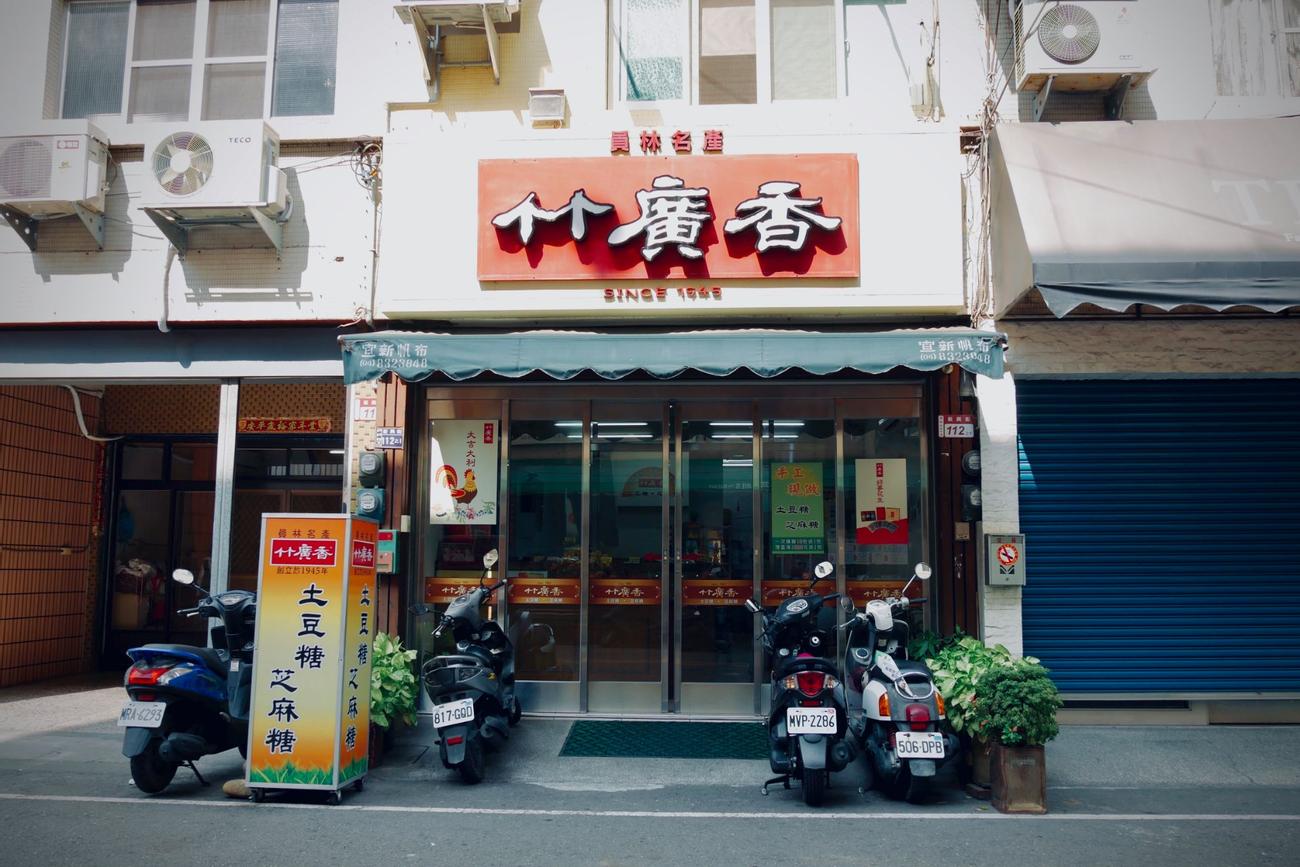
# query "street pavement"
(1118, 795)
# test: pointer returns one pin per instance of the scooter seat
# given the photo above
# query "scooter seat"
(209, 656)
(909, 666)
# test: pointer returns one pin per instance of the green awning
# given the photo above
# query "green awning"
(565, 354)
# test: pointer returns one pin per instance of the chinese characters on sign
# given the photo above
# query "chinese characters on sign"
(312, 612)
(620, 141)
(464, 467)
(715, 591)
(798, 509)
(960, 427)
(747, 217)
(285, 425)
(625, 591)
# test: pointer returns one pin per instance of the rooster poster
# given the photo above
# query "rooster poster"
(463, 462)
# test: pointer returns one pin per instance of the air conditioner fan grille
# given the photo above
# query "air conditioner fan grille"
(25, 167)
(1069, 34)
(182, 163)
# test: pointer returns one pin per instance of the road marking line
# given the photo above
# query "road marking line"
(666, 814)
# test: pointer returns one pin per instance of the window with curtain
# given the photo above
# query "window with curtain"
(200, 59)
(727, 52)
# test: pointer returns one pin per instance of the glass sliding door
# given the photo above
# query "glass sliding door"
(626, 557)
(715, 559)
(545, 512)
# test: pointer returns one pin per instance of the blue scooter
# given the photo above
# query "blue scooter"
(185, 701)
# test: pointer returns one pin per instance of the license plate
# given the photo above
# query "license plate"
(918, 745)
(453, 712)
(142, 714)
(810, 720)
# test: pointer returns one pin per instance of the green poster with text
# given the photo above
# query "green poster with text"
(798, 510)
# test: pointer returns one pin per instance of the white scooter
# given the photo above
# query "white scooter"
(902, 728)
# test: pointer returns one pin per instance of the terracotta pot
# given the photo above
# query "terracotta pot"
(1019, 779)
(376, 746)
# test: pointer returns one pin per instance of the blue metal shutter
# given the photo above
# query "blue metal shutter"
(1162, 522)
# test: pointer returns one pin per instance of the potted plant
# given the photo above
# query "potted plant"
(958, 666)
(1019, 702)
(392, 690)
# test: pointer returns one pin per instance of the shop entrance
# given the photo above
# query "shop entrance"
(633, 525)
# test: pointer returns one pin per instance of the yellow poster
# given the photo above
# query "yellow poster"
(307, 647)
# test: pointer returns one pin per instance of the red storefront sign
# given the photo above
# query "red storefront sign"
(445, 588)
(310, 552)
(862, 592)
(693, 217)
(363, 553)
(284, 425)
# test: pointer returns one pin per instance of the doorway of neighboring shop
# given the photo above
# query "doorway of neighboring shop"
(161, 520)
(634, 523)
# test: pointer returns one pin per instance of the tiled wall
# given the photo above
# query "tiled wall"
(50, 484)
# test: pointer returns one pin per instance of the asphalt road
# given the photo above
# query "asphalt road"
(1185, 797)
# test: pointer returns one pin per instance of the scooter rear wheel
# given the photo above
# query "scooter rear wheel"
(814, 786)
(471, 769)
(150, 772)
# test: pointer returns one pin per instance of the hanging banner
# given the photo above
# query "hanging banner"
(716, 591)
(463, 458)
(625, 591)
(309, 721)
(882, 501)
(798, 510)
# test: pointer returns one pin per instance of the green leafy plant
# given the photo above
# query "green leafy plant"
(928, 644)
(392, 683)
(1019, 704)
(958, 669)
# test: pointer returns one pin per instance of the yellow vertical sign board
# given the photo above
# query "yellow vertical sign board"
(309, 668)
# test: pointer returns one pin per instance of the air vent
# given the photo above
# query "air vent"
(26, 168)
(182, 163)
(1069, 34)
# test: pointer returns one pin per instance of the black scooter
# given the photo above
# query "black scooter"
(808, 722)
(186, 701)
(473, 690)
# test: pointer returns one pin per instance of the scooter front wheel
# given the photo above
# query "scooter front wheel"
(471, 769)
(150, 772)
(814, 786)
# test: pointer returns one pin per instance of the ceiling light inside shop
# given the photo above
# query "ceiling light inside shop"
(737, 462)
(626, 436)
(621, 423)
(568, 424)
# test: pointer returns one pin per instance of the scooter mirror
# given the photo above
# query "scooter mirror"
(183, 576)
(846, 603)
(753, 608)
(490, 559)
(923, 571)
(823, 569)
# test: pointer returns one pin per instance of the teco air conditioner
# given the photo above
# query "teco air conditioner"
(1086, 45)
(435, 20)
(60, 172)
(214, 173)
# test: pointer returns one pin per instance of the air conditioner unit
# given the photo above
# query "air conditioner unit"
(214, 173)
(546, 106)
(1084, 45)
(435, 20)
(59, 172)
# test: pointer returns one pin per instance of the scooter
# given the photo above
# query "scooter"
(808, 723)
(902, 727)
(473, 690)
(186, 701)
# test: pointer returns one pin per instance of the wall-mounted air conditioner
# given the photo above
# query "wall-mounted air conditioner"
(214, 173)
(1085, 45)
(60, 171)
(546, 106)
